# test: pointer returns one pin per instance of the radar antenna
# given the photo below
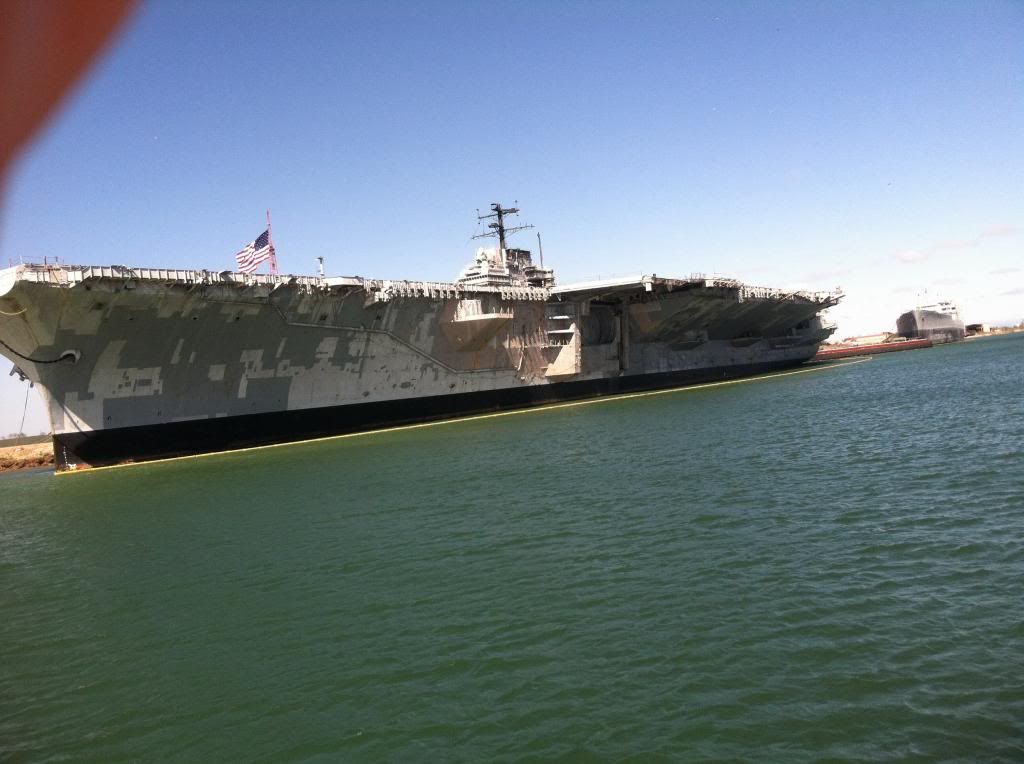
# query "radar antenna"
(498, 228)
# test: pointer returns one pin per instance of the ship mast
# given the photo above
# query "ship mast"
(498, 227)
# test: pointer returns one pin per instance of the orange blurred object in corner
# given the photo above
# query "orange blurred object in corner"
(45, 47)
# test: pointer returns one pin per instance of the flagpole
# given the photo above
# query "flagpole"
(273, 252)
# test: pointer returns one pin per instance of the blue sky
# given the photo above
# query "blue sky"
(873, 146)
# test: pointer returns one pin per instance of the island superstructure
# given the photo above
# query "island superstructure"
(143, 363)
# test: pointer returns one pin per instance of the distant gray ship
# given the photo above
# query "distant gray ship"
(142, 363)
(939, 323)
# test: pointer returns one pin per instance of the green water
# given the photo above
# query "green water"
(825, 565)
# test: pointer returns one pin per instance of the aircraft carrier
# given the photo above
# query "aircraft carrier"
(142, 363)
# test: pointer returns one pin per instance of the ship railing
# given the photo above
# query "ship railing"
(713, 280)
(781, 295)
(68, 275)
(47, 261)
(384, 290)
(753, 292)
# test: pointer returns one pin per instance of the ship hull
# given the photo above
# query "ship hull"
(930, 325)
(169, 440)
(139, 364)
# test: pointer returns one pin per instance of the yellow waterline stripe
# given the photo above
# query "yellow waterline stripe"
(475, 417)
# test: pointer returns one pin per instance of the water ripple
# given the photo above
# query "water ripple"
(822, 566)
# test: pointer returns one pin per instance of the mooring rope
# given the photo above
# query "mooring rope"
(21, 430)
(34, 360)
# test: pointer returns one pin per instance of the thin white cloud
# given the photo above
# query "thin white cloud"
(956, 245)
(826, 276)
(822, 276)
(911, 256)
(1001, 230)
(953, 245)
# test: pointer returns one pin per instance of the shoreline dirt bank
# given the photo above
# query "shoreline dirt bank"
(26, 457)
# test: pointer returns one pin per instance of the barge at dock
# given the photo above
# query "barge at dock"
(143, 363)
(849, 351)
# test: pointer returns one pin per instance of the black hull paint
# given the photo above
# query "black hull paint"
(148, 442)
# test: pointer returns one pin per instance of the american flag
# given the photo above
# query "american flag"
(255, 252)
